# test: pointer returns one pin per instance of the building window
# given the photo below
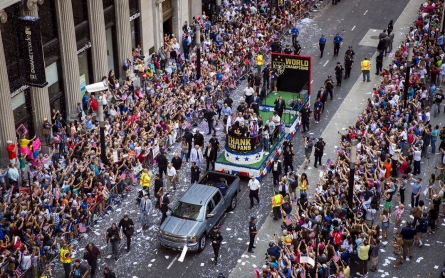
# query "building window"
(52, 77)
(48, 23)
(134, 6)
(107, 3)
(79, 11)
(83, 67)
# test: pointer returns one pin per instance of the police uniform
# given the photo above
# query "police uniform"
(338, 73)
(252, 233)
(348, 65)
(305, 116)
(319, 147)
(127, 227)
(337, 41)
(288, 156)
(216, 238)
(297, 48)
(321, 45)
(329, 85)
(195, 172)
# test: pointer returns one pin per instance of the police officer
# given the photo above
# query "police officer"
(287, 50)
(305, 114)
(127, 226)
(297, 48)
(114, 235)
(350, 52)
(379, 63)
(195, 173)
(329, 85)
(266, 77)
(319, 147)
(349, 63)
(321, 45)
(288, 158)
(252, 233)
(337, 40)
(338, 71)
(216, 238)
(288, 143)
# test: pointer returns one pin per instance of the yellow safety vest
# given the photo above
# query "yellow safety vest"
(145, 179)
(277, 200)
(303, 185)
(366, 65)
(259, 60)
(63, 258)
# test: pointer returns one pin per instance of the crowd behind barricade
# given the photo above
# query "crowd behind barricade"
(392, 140)
(50, 198)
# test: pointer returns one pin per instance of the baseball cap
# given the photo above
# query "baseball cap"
(252, 217)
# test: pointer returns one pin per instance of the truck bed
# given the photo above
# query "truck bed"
(212, 178)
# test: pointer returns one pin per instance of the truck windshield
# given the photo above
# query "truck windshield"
(186, 211)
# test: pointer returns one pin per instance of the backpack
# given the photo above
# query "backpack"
(425, 225)
(337, 238)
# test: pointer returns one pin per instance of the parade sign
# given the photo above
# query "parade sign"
(294, 72)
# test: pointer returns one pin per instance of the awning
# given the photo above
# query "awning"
(96, 87)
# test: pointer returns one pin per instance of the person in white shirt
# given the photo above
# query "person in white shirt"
(276, 119)
(248, 93)
(254, 188)
(196, 156)
(171, 176)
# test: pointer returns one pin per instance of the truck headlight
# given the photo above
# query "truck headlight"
(160, 232)
(192, 239)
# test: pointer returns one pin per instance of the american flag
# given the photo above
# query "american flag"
(302, 274)
(336, 257)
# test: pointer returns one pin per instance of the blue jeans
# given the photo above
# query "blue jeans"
(366, 75)
(266, 144)
(436, 108)
(433, 146)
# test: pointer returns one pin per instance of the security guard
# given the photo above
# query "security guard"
(288, 143)
(297, 48)
(366, 67)
(329, 85)
(319, 148)
(295, 33)
(252, 233)
(127, 226)
(288, 158)
(66, 259)
(195, 172)
(305, 114)
(350, 52)
(338, 73)
(349, 63)
(277, 201)
(287, 50)
(337, 40)
(259, 62)
(321, 45)
(216, 238)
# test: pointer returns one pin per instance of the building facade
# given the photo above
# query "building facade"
(81, 41)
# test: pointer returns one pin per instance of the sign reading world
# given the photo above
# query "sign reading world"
(240, 144)
(294, 72)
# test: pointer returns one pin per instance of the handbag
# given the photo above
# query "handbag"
(46, 131)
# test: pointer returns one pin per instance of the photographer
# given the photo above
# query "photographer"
(329, 85)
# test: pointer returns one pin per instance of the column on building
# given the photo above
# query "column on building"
(123, 31)
(98, 39)
(158, 25)
(39, 96)
(177, 18)
(147, 28)
(7, 127)
(68, 55)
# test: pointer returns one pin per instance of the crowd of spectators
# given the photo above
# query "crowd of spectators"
(52, 190)
(392, 140)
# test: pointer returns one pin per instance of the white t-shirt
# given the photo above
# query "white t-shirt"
(248, 91)
(417, 155)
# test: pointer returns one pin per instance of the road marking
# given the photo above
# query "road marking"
(353, 28)
(174, 259)
(365, 12)
(312, 81)
(326, 63)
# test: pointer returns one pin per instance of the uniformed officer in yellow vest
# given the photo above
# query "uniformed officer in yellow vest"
(277, 201)
(145, 178)
(66, 258)
(259, 62)
(366, 68)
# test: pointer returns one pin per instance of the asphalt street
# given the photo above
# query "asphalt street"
(352, 19)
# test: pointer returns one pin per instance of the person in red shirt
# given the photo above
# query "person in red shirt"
(11, 151)
(93, 104)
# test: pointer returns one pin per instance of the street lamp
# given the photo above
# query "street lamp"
(408, 69)
(198, 51)
(352, 158)
(100, 113)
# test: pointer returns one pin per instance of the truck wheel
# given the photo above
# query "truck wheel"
(233, 203)
(202, 242)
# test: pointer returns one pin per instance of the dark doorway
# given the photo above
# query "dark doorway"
(167, 26)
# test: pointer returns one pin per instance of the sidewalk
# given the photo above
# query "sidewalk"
(346, 115)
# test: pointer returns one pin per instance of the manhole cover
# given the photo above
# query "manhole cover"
(375, 37)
